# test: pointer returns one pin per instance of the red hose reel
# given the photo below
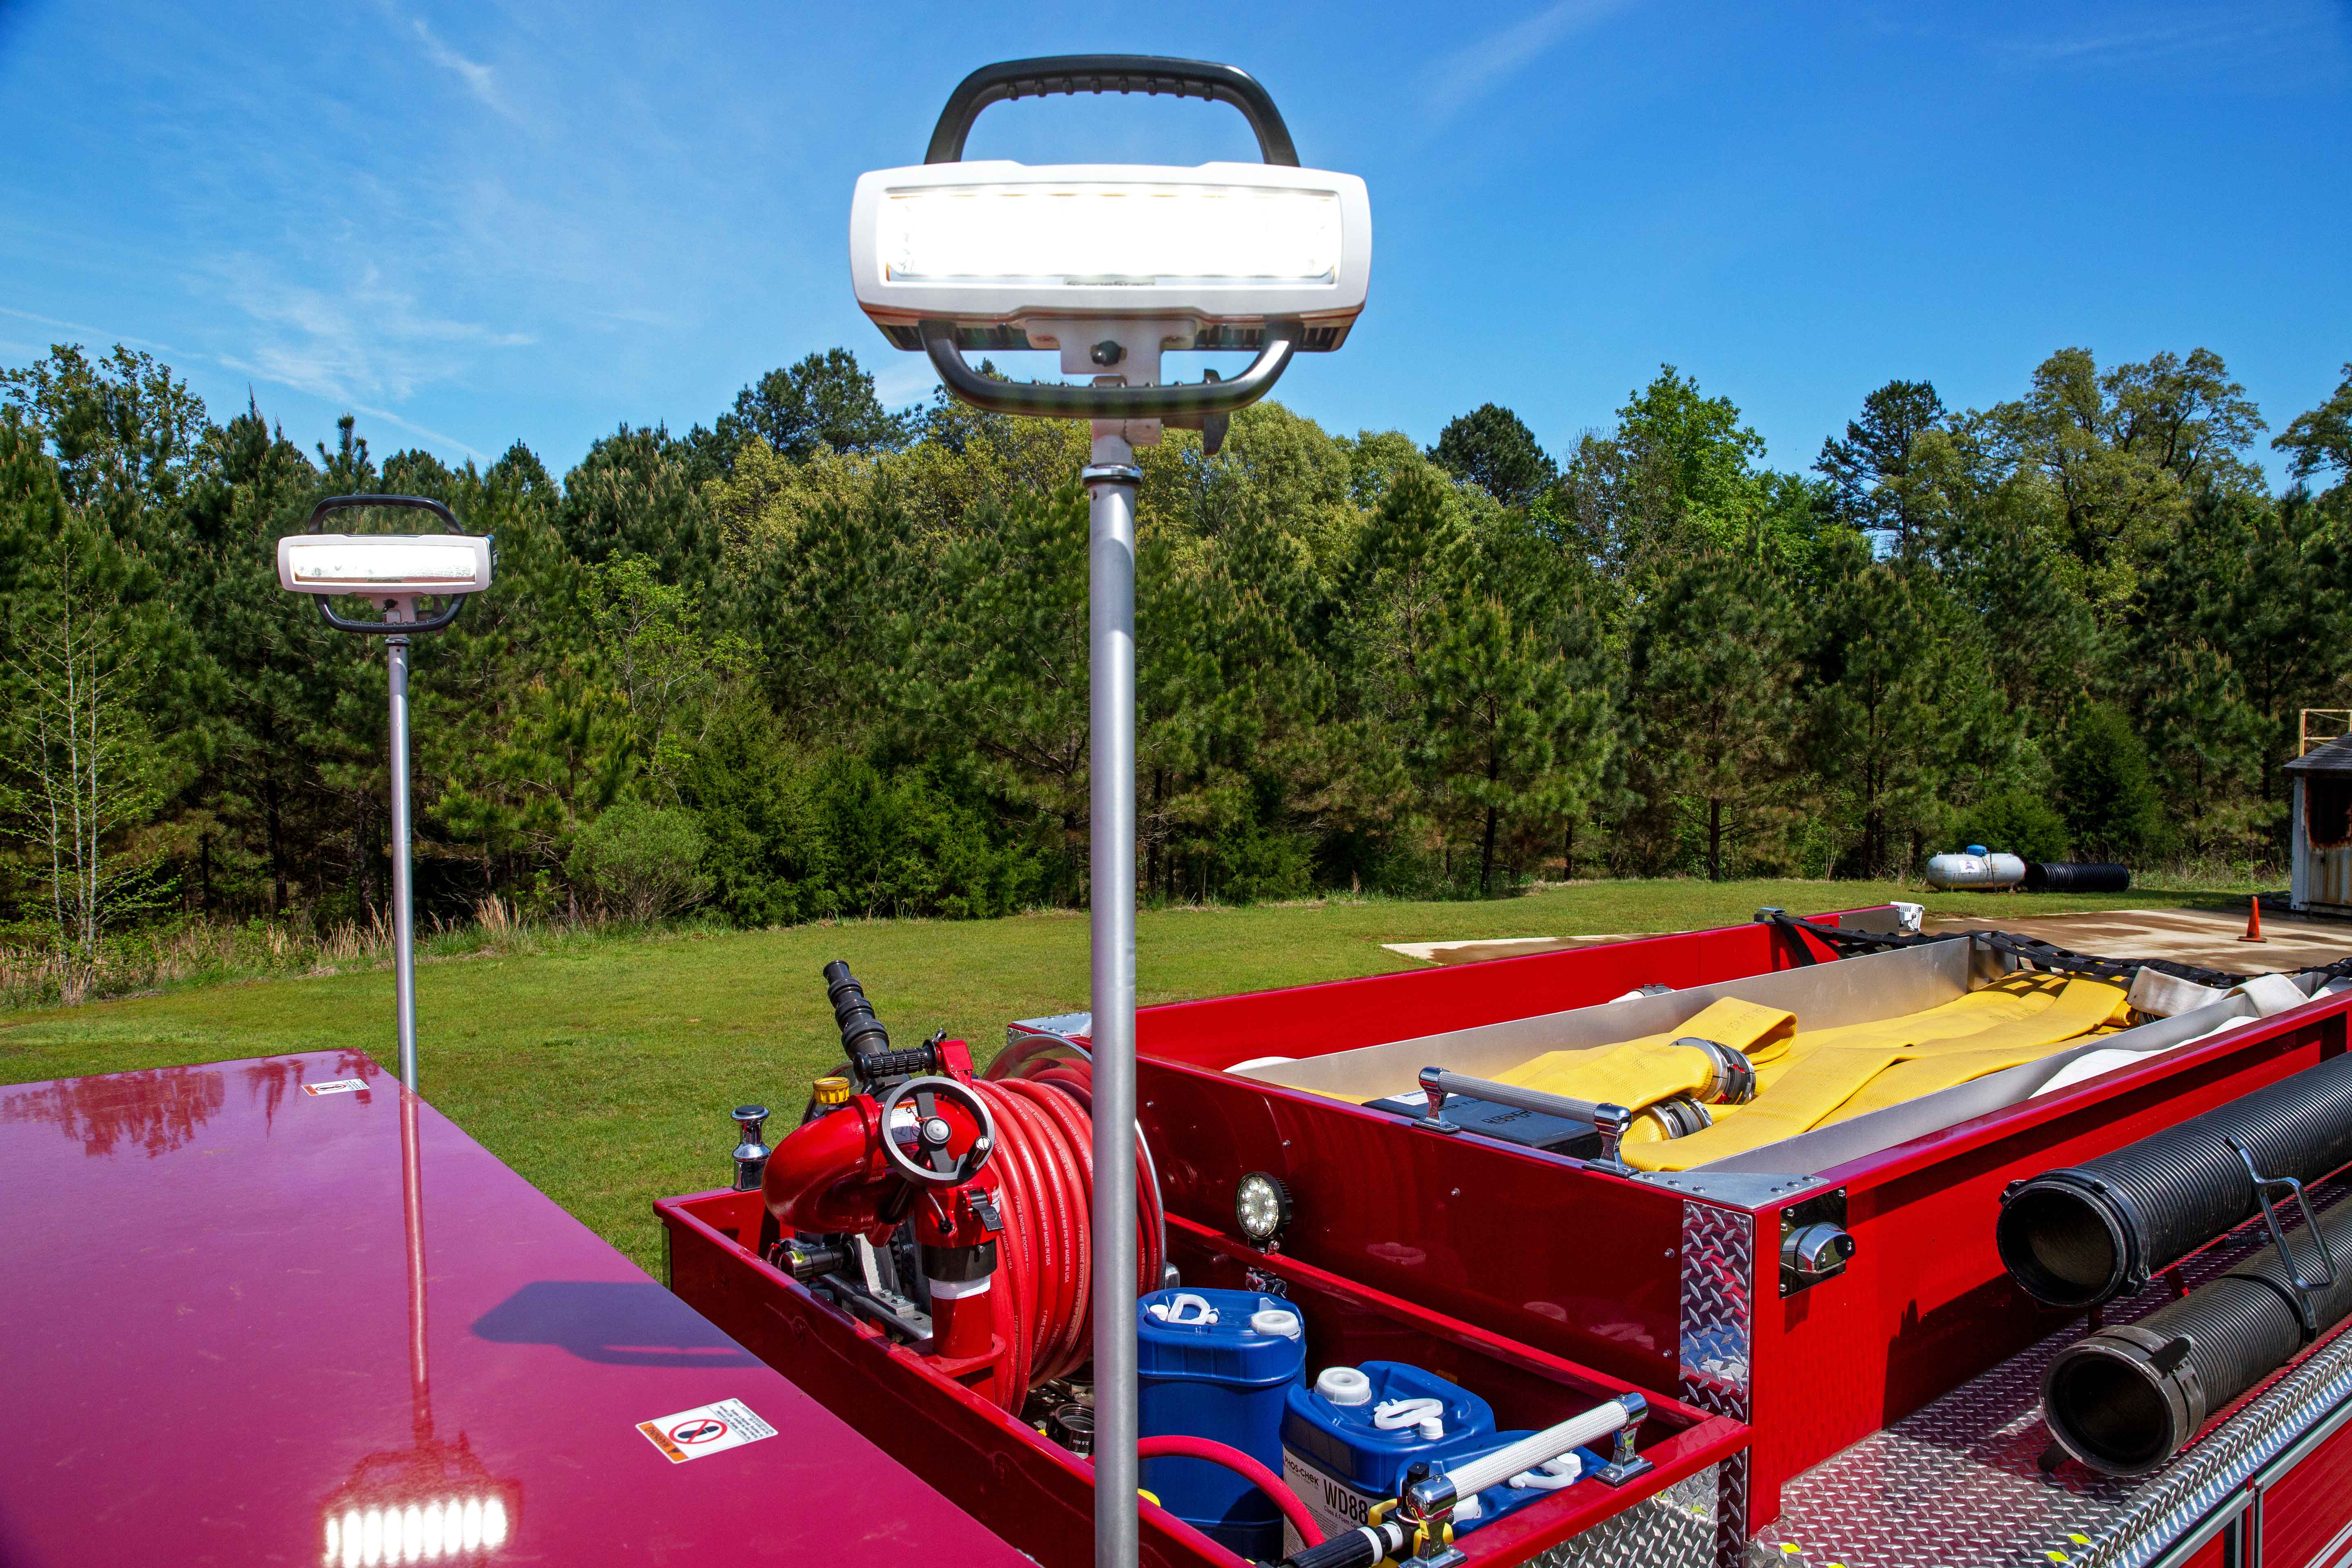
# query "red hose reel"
(998, 1179)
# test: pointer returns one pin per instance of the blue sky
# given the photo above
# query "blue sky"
(470, 225)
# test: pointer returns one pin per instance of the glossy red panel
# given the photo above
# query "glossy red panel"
(210, 1346)
(2307, 1512)
(1039, 1497)
(1529, 1245)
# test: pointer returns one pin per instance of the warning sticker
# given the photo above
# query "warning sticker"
(705, 1429)
(341, 1086)
(1334, 1506)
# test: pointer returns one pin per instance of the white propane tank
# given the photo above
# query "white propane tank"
(1975, 868)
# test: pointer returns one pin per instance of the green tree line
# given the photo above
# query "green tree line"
(818, 658)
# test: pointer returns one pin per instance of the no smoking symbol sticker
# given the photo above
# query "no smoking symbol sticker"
(704, 1430)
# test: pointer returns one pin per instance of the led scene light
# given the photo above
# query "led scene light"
(383, 564)
(987, 243)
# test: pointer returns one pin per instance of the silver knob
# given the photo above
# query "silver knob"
(751, 1153)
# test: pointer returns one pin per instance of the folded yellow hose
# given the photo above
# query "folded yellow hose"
(1641, 1072)
(1827, 1075)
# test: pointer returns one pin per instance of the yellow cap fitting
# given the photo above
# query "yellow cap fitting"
(832, 1090)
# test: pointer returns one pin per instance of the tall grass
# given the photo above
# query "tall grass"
(199, 953)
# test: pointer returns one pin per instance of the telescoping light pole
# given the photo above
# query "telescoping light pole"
(391, 572)
(1112, 265)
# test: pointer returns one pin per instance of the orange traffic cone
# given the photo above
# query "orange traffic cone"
(2255, 923)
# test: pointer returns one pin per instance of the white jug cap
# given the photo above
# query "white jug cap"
(1344, 1385)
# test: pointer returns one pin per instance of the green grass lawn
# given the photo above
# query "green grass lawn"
(603, 1070)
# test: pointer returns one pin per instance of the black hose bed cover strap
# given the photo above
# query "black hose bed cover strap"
(2046, 956)
(2125, 1399)
(2084, 1234)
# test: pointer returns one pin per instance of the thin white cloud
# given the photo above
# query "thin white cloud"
(292, 370)
(1469, 74)
(93, 335)
(2209, 34)
(366, 340)
(482, 81)
(447, 441)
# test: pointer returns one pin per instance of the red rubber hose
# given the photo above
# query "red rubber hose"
(1044, 1169)
(1242, 1464)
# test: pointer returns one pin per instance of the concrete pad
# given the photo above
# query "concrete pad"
(1479, 950)
(2206, 938)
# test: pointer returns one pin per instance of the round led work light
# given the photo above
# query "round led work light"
(1261, 1206)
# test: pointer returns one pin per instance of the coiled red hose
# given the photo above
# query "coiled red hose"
(1045, 1267)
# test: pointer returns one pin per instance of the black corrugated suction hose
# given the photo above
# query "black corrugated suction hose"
(2125, 1399)
(2076, 877)
(2085, 1234)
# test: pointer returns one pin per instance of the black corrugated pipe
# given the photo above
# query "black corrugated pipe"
(2125, 1399)
(2076, 877)
(2085, 1234)
(862, 1033)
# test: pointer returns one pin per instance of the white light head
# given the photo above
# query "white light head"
(1111, 263)
(1214, 251)
(393, 570)
(387, 564)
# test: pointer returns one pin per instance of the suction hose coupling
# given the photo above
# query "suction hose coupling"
(2125, 1399)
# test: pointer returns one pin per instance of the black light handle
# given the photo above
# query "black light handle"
(1186, 401)
(1070, 74)
(333, 504)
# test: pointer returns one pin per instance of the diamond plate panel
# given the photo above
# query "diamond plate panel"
(1959, 1481)
(1719, 1294)
(1675, 1529)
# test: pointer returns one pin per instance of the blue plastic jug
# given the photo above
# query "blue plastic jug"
(1218, 1364)
(1348, 1440)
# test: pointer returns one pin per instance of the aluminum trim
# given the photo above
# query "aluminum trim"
(1674, 1528)
(1717, 1308)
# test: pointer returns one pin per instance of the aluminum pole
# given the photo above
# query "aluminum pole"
(404, 907)
(1111, 481)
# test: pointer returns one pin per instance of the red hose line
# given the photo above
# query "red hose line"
(1045, 1168)
(1242, 1464)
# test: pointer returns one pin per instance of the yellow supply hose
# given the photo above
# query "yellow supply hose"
(1828, 1075)
(1641, 1072)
